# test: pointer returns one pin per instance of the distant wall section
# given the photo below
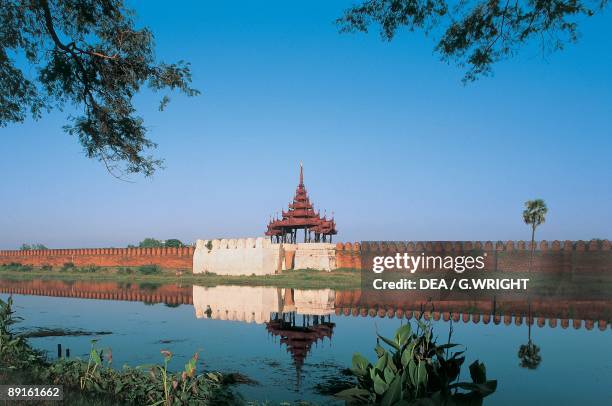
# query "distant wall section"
(509, 256)
(169, 258)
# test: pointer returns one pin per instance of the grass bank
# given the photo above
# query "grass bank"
(304, 279)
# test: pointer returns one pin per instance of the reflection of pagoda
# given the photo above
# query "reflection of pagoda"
(299, 339)
(301, 216)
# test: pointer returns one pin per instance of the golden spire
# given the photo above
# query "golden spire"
(301, 174)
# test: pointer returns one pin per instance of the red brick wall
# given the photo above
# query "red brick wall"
(510, 256)
(169, 258)
(552, 256)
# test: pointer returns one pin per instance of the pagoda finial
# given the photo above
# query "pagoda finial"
(301, 174)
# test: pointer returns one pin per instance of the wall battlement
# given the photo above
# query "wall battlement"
(253, 255)
(549, 256)
(237, 256)
(170, 258)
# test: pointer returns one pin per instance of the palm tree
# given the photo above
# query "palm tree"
(534, 215)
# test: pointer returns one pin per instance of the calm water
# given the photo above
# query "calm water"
(237, 329)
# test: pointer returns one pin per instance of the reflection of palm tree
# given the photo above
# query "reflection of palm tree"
(529, 354)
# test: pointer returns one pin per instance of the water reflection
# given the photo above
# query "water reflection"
(291, 340)
(259, 304)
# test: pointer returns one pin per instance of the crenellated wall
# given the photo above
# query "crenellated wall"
(549, 256)
(237, 256)
(259, 256)
(169, 258)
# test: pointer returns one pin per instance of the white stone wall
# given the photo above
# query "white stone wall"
(319, 256)
(241, 256)
(259, 256)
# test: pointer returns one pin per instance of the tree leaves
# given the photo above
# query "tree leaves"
(88, 54)
(475, 34)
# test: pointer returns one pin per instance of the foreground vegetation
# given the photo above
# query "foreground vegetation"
(305, 278)
(415, 370)
(95, 381)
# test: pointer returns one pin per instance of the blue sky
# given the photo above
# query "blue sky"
(391, 140)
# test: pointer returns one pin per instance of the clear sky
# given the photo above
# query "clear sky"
(391, 140)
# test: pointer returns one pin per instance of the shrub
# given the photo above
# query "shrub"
(13, 266)
(68, 266)
(125, 271)
(149, 269)
(89, 269)
(47, 267)
(19, 267)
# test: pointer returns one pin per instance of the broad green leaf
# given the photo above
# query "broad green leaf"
(389, 342)
(388, 374)
(353, 394)
(380, 386)
(407, 354)
(360, 364)
(403, 334)
(412, 372)
(382, 362)
(422, 373)
(483, 389)
(393, 393)
(445, 346)
(478, 372)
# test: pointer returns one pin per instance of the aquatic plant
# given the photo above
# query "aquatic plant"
(153, 385)
(15, 353)
(416, 370)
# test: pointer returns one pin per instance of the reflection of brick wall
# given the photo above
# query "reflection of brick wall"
(555, 256)
(592, 313)
(151, 293)
(170, 258)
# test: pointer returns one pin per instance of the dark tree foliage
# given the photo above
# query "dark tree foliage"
(89, 54)
(476, 33)
(173, 243)
(29, 247)
(150, 243)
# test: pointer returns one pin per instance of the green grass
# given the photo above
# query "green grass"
(306, 279)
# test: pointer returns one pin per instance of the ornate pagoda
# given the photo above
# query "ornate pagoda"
(301, 216)
(299, 339)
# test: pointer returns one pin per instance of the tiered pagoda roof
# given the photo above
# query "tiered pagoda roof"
(299, 340)
(301, 215)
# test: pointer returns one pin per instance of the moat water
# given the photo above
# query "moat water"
(239, 329)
